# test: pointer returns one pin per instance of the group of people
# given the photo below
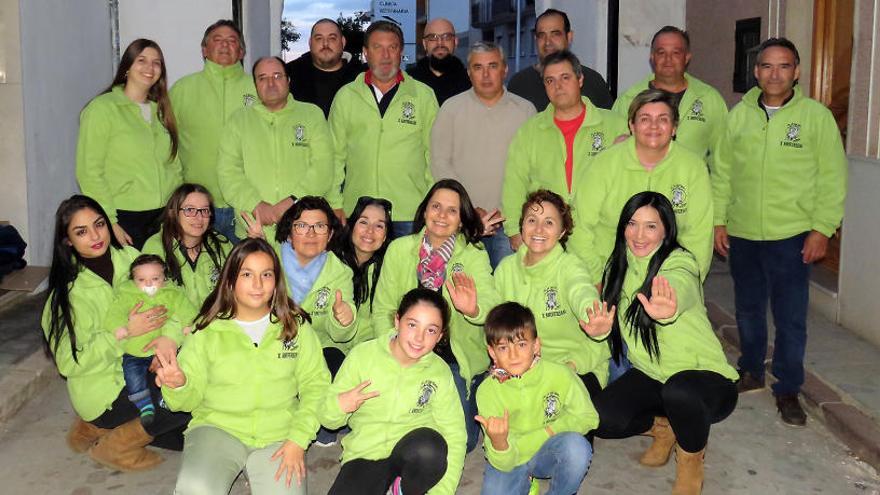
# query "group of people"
(267, 262)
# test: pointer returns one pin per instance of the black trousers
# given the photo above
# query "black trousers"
(167, 427)
(419, 458)
(139, 225)
(692, 400)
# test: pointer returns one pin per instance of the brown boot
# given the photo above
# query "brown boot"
(664, 439)
(83, 435)
(688, 472)
(123, 448)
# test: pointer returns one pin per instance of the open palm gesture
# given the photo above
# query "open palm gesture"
(662, 304)
(599, 319)
(463, 292)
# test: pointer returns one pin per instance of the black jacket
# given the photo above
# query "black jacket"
(446, 85)
(305, 79)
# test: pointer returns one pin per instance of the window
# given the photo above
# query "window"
(747, 39)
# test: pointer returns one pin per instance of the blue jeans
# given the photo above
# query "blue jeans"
(773, 270)
(615, 370)
(468, 404)
(564, 458)
(224, 223)
(400, 229)
(497, 247)
(134, 371)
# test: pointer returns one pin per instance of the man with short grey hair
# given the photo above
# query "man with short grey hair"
(471, 136)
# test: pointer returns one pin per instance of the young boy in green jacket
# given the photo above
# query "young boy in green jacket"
(147, 287)
(534, 413)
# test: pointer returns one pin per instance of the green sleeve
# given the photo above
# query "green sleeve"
(722, 158)
(580, 289)
(236, 187)
(321, 155)
(426, 137)
(347, 378)
(91, 153)
(313, 378)
(95, 349)
(587, 205)
(193, 361)
(578, 414)
(344, 284)
(700, 233)
(831, 179)
(388, 288)
(487, 295)
(621, 105)
(516, 181)
(680, 269)
(338, 122)
(449, 419)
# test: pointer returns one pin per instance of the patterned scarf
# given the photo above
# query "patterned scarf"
(432, 263)
(502, 375)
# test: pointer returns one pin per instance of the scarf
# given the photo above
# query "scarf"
(432, 263)
(502, 375)
(300, 279)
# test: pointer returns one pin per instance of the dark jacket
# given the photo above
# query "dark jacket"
(527, 84)
(311, 85)
(446, 85)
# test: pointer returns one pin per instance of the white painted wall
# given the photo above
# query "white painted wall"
(55, 89)
(639, 20)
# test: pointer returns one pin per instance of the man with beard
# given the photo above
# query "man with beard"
(317, 75)
(440, 69)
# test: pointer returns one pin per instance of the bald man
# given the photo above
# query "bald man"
(440, 68)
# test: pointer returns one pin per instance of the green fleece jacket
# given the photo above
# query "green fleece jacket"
(399, 276)
(180, 313)
(260, 395)
(549, 394)
(686, 340)
(198, 282)
(268, 156)
(701, 113)
(558, 289)
(419, 396)
(123, 161)
(775, 178)
(536, 158)
(94, 379)
(616, 176)
(364, 320)
(203, 103)
(335, 275)
(382, 156)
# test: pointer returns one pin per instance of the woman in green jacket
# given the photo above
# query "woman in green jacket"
(193, 250)
(126, 154)
(444, 254)
(253, 377)
(679, 370)
(87, 264)
(361, 245)
(556, 286)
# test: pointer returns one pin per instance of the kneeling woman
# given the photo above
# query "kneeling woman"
(253, 376)
(679, 369)
(401, 403)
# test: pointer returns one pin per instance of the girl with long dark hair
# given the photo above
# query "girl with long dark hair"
(87, 264)
(680, 383)
(126, 155)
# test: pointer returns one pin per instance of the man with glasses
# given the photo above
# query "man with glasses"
(553, 34)
(274, 151)
(203, 103)
(440, 68)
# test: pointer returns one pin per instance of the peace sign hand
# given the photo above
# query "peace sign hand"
(463, 292)
(599, 320)
(342, 311)
(352, 400)
(496, 429)
(662, 304)
(169, 373)
(254, 224)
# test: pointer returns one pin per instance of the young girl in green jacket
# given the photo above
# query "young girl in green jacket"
(399, 398)
(253, 376)
(444, 254)
(680, 383)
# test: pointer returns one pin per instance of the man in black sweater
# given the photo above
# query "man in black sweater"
(440, 68)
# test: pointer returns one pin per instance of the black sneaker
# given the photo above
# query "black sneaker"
(790, 410)
(748, 382)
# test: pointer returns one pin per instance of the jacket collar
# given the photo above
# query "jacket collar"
(592, 118)
(265, 113)
(634, 164)
(549, 260)
(230, 71)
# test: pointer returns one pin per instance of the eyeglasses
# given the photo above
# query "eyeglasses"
(439, 37)
(303, 228)
(189, 211)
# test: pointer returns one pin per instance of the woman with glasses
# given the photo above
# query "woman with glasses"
(361, 245)
(193, 251)
(126, 155)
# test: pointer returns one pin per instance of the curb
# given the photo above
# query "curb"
(24, 380)
(857, 430)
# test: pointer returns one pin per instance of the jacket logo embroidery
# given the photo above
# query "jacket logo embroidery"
(457, 268)
(299, 135)
(598, 142)
(792, 136)
(408, 114)
(678, 198)
(215, 276)
(323, 298)
(289, 349)
(551, 302)
(696, 112)
(249, 100)
(551, 407)
(425, 393)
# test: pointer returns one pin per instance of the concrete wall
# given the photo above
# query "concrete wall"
(639, 20)
(55, 90)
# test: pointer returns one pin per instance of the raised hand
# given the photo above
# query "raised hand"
(463, 292)
(121, 235)
(169, 374)
(141, 322)
(496, 429)
(491, 220)
(342, 311)
(293, 463)
(662, 304)
(352, 400)
(254, 224)
(599, 320)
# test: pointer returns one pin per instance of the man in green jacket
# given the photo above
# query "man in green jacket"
(203, 103)
(551, 148)
(779, 184)
(381, 126)
(701, 108)
(277, 150)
